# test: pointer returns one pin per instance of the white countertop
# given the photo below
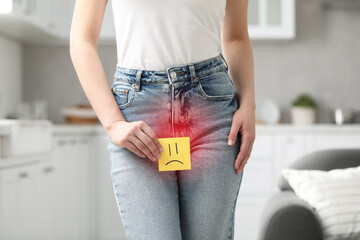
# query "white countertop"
(76, 129)
(283, 127)
(69, 130)
(6, 125)
(318, 127)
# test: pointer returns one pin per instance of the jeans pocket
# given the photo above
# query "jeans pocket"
(217, 86)
(124, 93)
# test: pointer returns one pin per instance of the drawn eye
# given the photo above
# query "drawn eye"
(175, 147)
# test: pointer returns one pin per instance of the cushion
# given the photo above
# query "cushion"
(335, 197)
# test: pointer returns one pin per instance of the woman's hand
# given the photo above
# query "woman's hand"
(136, 136)
(243, 121)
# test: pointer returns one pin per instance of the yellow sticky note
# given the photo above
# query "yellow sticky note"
(176, 154)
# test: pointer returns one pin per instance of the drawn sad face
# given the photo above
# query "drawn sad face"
(176, 154)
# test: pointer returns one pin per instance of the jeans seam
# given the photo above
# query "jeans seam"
(232, 217)
(117, 194)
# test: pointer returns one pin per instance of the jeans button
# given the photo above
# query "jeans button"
(173, 74)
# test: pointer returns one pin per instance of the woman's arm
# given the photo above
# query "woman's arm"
(238, 53)
(84, 35)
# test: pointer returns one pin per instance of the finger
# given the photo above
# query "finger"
(248, 151)
(246, 159)
(243, 163)
(149, 143)
(147, 129)
(243, 150)
(139, 144)
(135, 150)
(234, 130)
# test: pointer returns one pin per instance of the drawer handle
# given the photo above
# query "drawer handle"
(23, 175)
(48, 169)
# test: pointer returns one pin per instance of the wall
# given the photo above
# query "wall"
(11, 76)
(323, 61)
(50, 75)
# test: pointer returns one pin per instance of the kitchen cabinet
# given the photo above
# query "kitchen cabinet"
(261, 165)
(275, 147)
(69, 195)
(18, 203)
(248, 214)
(289, 147)
(98, 216)
(59, 17)
(256, 187)
(271, 19)
(109, 223)
(50, 198)
(56, 16)
(72, 156)
(25, 202)
(30, 21)
(48, 22)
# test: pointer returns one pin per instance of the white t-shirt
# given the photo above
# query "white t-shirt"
(156, 34)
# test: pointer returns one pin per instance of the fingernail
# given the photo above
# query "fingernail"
(230, 142)
(154, 159)
(159, 156)
(161, 149)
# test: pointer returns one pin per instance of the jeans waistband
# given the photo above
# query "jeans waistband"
(172, 74)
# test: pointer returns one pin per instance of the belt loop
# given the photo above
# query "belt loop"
(138, 80)
(225, 63)
(194, 78)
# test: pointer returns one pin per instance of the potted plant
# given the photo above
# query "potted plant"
(303, 109)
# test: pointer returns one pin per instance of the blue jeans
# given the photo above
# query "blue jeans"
(197, 101)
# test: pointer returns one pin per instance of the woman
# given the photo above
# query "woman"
(172, 80)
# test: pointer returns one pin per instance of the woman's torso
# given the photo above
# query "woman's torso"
(156, 34)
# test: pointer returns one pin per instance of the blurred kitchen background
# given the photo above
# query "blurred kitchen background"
(54, 180)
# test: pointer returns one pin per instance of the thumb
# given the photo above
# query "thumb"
(233, 133)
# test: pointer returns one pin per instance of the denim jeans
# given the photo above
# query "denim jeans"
(197, 100)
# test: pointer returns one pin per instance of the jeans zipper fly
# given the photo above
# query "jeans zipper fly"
(172, 107)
